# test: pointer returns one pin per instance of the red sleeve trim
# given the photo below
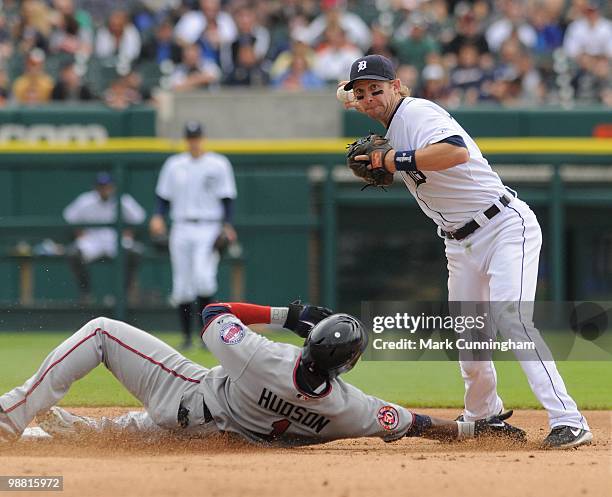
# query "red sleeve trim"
(250, 313)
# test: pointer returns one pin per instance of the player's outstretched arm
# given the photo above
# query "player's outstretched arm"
(297, 317)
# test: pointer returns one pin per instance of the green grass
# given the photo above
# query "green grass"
(416, 384)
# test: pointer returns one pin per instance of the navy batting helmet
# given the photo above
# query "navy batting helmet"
(334, 345)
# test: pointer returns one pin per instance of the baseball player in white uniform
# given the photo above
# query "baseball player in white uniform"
(492, 238)
(100, 206)
(262, 390)
(198, 189)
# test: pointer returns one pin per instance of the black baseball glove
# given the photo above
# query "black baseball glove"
(496, 426)
(302, 318)
(376, 148)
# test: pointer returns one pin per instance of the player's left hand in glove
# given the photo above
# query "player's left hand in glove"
(366, 158)
(496, 427)
(302, 318)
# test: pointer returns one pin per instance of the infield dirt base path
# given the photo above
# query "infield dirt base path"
(224, 467)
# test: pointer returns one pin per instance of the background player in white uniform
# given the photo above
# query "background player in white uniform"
(100, 206)
(198, 188)
(492, 238)
(262, 390)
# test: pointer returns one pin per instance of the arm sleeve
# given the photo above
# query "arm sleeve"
(364, 415)
(164, 182)
(227, 184)
(228, 210)
(73, 211)
(132, 211)
(247, 313)
(433, 126)
(162, 206)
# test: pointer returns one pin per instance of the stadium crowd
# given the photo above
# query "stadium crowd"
(456, 52)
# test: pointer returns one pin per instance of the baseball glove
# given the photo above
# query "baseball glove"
(221, 243)
(375, 147)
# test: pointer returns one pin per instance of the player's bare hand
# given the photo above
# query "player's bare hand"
(157, 226)
(230, 233)
(346, 97)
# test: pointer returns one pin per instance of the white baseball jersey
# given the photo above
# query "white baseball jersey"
(89, 207)
(195, 186)
(254, 393)
(454, 196)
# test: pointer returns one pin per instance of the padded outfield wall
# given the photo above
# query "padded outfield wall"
(306, 228)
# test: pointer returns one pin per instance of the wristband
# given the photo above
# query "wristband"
(405, 160)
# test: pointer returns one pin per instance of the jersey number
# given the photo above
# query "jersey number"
(279, 427)
(418, 177)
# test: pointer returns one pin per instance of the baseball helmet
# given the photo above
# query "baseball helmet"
(334, 345)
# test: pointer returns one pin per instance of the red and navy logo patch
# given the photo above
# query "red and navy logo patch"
(231, 333)
(388, 417)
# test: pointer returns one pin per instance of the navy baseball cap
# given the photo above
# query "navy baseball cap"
(193, 129)
(371, 67)
(104, 178)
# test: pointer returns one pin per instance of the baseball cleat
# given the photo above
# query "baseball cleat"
(58, 422)
(496, 427)
(8, 432)
(567, 437)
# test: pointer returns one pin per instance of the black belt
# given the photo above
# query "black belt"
(193, 220)
(183, 415)
(469, 228)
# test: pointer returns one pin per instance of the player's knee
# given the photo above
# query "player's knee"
(99, 322)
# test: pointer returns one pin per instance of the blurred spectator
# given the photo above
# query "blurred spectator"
(412, 42)
(247, 70)
(593, 82)
(335, 55)
(381, 43)
(6, 42)
(468, 76)
(119, 38)
(35, 85)
(283, 17)
(34, 26)
(68, 36)
(334, 14)
(162, 46)
(468, 31)
(408, 75)
(193, 24)
(546, 21)
(194, 72)
(70, 87)
(591, 34)
(298, 76)
(124, 91)
(434, 86)
(5, 91)
(282, 63)
(246, 22)
(512, 23)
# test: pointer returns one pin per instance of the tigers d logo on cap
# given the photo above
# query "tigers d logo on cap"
(371, 67)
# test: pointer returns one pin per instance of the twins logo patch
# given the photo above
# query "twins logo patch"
(231, 333)
(388, 417)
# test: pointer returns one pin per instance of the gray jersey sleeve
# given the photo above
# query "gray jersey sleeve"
(232, 343)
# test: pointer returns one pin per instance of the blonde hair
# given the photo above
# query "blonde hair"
(404, 91)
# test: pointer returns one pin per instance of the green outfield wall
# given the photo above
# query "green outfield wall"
(306, 229)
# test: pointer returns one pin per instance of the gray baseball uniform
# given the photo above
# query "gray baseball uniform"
(252, 392)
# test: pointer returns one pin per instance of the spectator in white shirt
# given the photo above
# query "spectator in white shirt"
(590, 35)
(194, 72)
(118, 38)
(513, 20)
(192, 24)
(334, 57)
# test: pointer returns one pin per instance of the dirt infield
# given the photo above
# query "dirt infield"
(225, 467)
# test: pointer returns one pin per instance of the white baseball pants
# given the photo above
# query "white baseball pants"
(499, 263)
